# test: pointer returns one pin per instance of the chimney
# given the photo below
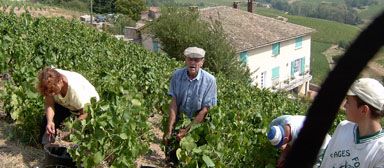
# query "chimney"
(236, 4)
(250, 6)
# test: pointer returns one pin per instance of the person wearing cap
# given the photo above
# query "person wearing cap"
(193, 91)
(65, 93)
(284, 130)
(358, 141)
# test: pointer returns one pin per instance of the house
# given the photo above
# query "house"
(86, 18)
(278, 53)
(136, 35)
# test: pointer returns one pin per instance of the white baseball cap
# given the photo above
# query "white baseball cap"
(368, 90)
(194, 52)
(276, 135)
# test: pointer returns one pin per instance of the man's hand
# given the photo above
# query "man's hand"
(166, 138)
(50, 128)
(83, 116)
(281, 162)
(181, 134)
(285, 149)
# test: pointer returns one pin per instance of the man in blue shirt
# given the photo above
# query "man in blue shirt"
(193, 92)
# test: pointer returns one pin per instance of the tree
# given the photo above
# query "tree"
(178, 29)
(119, 24)
(132, 8)
(104, 6)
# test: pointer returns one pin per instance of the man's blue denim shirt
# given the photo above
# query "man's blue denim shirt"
(193, 94)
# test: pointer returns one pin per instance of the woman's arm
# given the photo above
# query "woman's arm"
(49, 113)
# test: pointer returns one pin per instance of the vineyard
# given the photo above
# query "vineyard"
(36, 9)
(133, 85)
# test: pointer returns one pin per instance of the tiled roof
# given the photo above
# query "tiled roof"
(247, 31)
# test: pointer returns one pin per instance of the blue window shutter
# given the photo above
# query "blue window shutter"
(244, 57)
(275, 72)
(155, 46)
(298, 42)
(276, 49)
(302, 65)
(292, 68)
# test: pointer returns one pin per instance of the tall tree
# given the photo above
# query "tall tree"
(132, 8)
(104, 6)
(178, 29)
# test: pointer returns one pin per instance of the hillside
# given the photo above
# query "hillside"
(327, 33)
(39, 10)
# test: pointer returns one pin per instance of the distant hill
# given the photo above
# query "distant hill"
(328, 33)
(37, 9)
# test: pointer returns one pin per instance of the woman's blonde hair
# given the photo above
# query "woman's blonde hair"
(48, 80)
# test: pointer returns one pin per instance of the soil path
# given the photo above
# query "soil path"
(14, 155)
(155, 156)
(373, 69)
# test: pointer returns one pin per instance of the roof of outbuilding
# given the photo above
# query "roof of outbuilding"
(247, 30)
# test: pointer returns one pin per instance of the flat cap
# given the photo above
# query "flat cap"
(194, 52)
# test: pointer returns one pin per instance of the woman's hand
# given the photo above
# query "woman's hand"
(50, 128)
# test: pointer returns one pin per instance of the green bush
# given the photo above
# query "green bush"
(179, 28)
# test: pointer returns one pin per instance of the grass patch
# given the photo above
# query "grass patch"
(319, 64)
(371, 12)
(327, 33)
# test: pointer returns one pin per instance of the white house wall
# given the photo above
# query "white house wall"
(261, 60)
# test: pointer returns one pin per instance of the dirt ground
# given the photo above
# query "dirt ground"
(373, 69)
(156, 156)
(47, 12)
(14, 155)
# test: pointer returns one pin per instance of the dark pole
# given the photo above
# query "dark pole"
(91, 13)
(323, 111)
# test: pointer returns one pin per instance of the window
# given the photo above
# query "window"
(298, 42)
(244, 57)
(276, 49)
(262, 79)
(155, 46)
(298, 66)
(302, 65)
(275, 73)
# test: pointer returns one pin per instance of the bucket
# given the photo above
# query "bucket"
(56, 156)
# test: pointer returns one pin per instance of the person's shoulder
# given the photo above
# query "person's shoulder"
(297, 116)
(179, 71)
(346, 123)
(208, 75)
(67, 72)
(62, 71)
